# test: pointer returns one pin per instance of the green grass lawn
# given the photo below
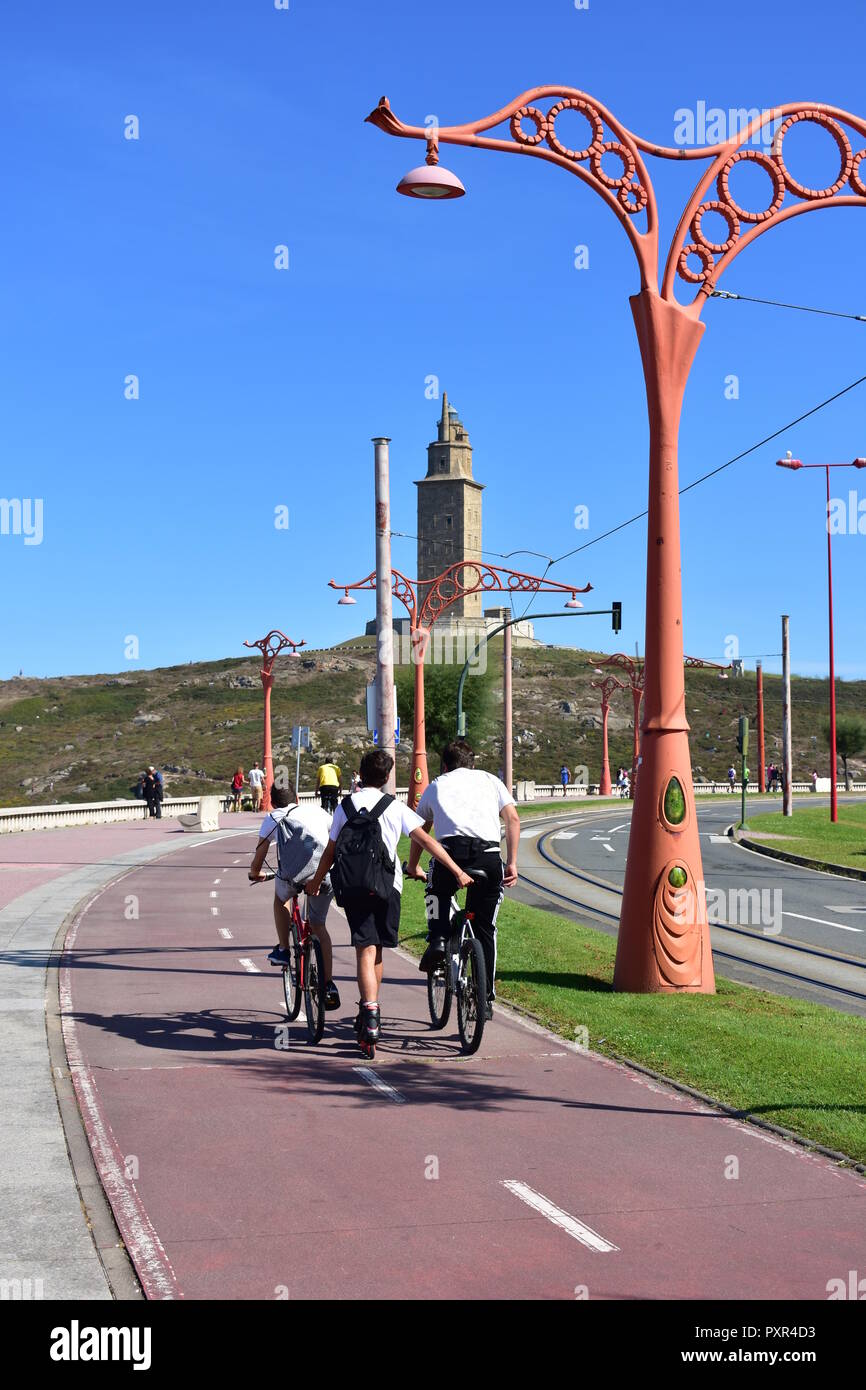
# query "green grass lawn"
(810, 832)
(795, 1064)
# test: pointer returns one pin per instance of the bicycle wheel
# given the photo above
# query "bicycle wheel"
(314, 990)
(292, 975)
(439, 993)
(471, 995)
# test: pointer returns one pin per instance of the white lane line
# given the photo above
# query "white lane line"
(214, 894)
(610, 848)
(565, 835)
(214, 912)
(601, 837)
(249, 965)
(527, 834)
(721, 840)
(224, 931)
(822, 922)
(569, 1224)
(625, 825)
(216, 880)
(828, 907)
(237, 861)
(373, 1079)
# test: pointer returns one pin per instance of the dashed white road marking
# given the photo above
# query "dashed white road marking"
(602, 837)
(224, 931)
(528, 834)
(214, 912)
(373, 1079)
(214, 894)
(828, 907)
(822, 921)
(249, 965)
(565, 835)
(610, 848)
(625, 825)
(570, 1224)
(237, 861)
(720, 840)
(216, 880)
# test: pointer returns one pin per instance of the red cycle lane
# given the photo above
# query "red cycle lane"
(239, 1167)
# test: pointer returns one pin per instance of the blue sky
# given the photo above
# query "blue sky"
(260, 387)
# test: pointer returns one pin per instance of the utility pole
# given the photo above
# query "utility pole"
(507, 768)
(760, 712)
(384, 619)
(787, 794)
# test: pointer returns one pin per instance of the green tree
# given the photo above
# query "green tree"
(440, 704)
(850, 740)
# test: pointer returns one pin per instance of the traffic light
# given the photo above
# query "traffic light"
(616, 616)
(743, 735)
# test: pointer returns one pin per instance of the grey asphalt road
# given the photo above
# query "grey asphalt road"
(790, 929)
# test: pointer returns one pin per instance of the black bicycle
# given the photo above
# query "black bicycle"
(462, 973)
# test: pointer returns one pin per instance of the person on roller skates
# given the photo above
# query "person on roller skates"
(361, 856)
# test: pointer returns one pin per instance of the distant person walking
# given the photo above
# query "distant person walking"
(257, 782)
(153, 795)
(329, 785)
(732, 777)
(565, 778)
(237, 789)
(815, 780)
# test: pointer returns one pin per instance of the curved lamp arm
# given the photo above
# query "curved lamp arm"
(627, 193)
(788, 197)
(469, 576)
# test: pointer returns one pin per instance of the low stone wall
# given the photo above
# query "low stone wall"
(14, 818)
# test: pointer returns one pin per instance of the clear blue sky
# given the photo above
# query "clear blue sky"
(260, 388)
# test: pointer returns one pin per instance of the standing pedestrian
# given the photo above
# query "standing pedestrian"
(732, 777)
(153, 795)
(237, 789)
(565, 778)
(329, 785)
(257, 781)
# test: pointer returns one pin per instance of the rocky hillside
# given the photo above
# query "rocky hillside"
(84, 738)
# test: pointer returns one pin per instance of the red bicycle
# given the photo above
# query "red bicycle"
(304, 976)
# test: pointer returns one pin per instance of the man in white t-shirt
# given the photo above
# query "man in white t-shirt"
(465, 807)
(374, 921)
(257, 782)
(309, 827)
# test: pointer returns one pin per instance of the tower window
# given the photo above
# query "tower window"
(442, 465)
(447, 521)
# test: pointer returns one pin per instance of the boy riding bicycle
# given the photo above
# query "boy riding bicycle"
(302, 834)
(464, 806)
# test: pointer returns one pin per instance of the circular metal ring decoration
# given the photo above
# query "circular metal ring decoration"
(717, 248)
(845, 157)
(574, 104)
(857, 181)
(695, 277)
(612, 147)
(766, 163)
(538, 119)
(635, 190)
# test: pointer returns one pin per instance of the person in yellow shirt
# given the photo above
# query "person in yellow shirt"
(329, 786)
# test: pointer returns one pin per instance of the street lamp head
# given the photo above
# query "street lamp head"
(573, 602)
(346, 599)
(431, 181)
(788, 462)
(860, 463)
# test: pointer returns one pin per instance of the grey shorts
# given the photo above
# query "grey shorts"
(317, 907)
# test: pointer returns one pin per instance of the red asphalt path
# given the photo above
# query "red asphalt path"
(237, 1169)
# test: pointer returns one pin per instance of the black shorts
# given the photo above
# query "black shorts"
(328, 797)
(374, 921)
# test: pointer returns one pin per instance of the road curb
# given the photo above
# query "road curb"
(800, 860)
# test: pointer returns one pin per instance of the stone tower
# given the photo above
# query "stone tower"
(449, 513)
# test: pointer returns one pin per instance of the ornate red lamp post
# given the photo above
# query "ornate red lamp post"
(458, 580)
(664, 941)
(796, 464)
(270, 648)
(607, 687)
(633, 669)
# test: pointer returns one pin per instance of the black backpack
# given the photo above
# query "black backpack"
(362, 866)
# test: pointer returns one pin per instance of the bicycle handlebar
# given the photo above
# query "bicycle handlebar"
(477, 875)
